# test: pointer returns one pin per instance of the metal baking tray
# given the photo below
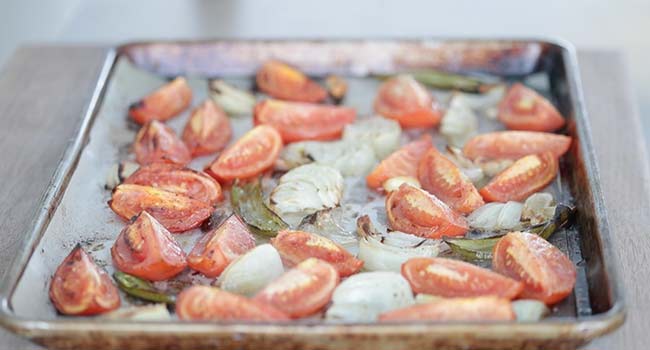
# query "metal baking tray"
(73, 210)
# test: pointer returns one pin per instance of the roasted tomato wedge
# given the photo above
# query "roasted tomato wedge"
(166, 102)
(147, 250)
(208, 129)
(415, 211)
(457, 309)
(452, 278)
(219, 247)
(515, 144)
(298, 121)
(524, 177)
(405, 100)
(442, 178)
(297, 246)
(282, 81)
(303, 290)
(178, 213)
(524, 109)
(174, 178)
(211, 303)
(403, 162)
(251, 155)
(547, 274)
(157, 143)
(79, 287)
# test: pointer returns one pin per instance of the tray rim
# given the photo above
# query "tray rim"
(585, 327)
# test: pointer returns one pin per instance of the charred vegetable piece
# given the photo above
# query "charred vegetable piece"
(80, 287)
(178, 213)
(233, 100)
(248, 202)
(336, 87)
(158, 143)
(166, 102)
(403, 162)
(208, 129)
(280, 80)
(141, 289)
(455, 309)
(146, 249)
(405, 100)
(524, 109)
(297, 121)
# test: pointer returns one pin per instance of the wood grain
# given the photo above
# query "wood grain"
(44, 92)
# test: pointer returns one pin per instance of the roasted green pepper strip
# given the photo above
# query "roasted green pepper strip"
(248, 202)
(448, 81)
(481, 248)
(141, 289)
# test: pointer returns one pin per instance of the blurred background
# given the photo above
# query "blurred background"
(589, 24)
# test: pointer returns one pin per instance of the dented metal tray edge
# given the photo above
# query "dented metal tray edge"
(583, 329)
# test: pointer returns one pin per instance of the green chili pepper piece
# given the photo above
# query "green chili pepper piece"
(248, 202)
(141, 289)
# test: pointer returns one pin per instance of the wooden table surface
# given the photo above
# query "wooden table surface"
(45, 90)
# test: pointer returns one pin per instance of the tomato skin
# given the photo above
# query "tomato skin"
(524, 177)
(405, 100)
(515, 144)
(442, 178)
(251, 155)
(524, 109)
(178, 213)
(548, 274)
(303, 290)
(457, 309)
(298, 121)
(297, 246)
(208, 130)
(218, 248)
(174, 178)
(453, 278)
(279, 80)
(157, 143)
(403, 162)
(211, 303)
(80, 287)
(412, 210)
(147, 250)
(163, 104)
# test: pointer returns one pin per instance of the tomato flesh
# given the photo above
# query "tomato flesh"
(515, 144)
(298, 121)
(412, 210)
(303, 290)
(457, 309)
(219, 247)
(452, 278)
(163, 104)
(80, 287)
(208, 129)
(297, 246)
(524, 177)
(178, 213)
(442, 178)
(524, 109)
(282, 81)
(252, 154)
(147, 250)
(405, 100)
(403, 162)
(548, 274)
(174, 178)
(157, 143)
(210, 303)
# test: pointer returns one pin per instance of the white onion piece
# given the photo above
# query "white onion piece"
(394, 183)
(338, 224)
(233, 100)
(362, 297)
(492, 167)
(459, 123)
(473, 172)
(485, 218)
(350, 158)
(383, 135)
(510, 216)
(530, 310)
(252, 271)
(538, 208)
(305, 190)
(485, 101)
(152, 312)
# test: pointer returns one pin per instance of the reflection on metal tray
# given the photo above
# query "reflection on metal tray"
(74, 209)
